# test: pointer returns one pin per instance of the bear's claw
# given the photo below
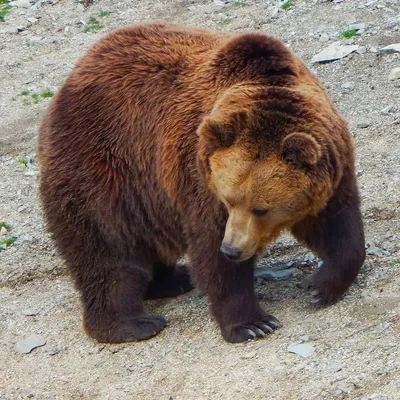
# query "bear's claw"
(257, 329)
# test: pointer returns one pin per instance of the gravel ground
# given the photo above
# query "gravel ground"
(356, 342)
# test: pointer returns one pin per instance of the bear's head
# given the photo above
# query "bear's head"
(268, 158)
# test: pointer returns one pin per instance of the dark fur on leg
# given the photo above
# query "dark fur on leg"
(169, 281)
(336, 234)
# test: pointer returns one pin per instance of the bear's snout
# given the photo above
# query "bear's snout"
(231, 252)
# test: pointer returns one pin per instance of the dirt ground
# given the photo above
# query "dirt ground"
(357, 350)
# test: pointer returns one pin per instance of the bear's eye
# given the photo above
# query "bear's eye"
(260, 212)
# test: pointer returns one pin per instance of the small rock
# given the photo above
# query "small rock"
(358, 27)
(373, 49)
(20, 3)
(32, 20)
(394, 74)
(375, 251)
(273, 273)
(320, 264)
(30, 312)
(301, 349)
(52, 352)
(386, 326)
(10, 30)
(324, 37)
(388, 110)
(309, 257)
(247, 356)
(334, 52)
(36, 39)
(30, 343)
(220, 3)
(274, 11)
(3, 231)
(361, 50)
(304, 338)
(24, 239)
(363, 125)
(392, 48)
(347, 86)
(335, 367)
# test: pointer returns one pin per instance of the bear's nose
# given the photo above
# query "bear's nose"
(231, 252)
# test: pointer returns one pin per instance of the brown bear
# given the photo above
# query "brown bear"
(167, 140)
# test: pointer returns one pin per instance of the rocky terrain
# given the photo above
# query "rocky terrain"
(348, 351)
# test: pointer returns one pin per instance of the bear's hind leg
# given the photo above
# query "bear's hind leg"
(112, 293)
(168, 281)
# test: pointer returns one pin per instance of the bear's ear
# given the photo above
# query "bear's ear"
(222, 133)
(301, 149)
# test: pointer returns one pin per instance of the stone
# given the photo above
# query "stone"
(361, 50)
(394, 74)
(309, 257)
(324, 37)
(363, 125)
(27, 345)
(301, 349)
(335, 367)
(387, 110)
(358, 27)
(392, 48)
(10, 30)
(376, 251)
(20, 3)
(52, 352)
(249, 355)
(335, 51)
(347, 87)
(273, 273)
(3, 231)
(30, 312)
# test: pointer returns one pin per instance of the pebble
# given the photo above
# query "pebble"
(334, 52)
(273, 273)
(10, 30)
(388, 110)
(20, 3)
(361, 50)
(358, 27)
(324, 37)
(30, 312)
(304, 338)
(52, 352)
(32, 20)
(376, 251)
(301, 349)
(363, 125)
(394, 74)
(3, 231)
(392, 48)
(248, 356)
(309, 257)
(30, 343)
(335, 367)
(347, 86)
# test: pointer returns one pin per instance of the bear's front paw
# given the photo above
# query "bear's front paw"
(251, 330)
(327, 287)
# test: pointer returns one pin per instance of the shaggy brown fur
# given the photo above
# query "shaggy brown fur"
(166, 140)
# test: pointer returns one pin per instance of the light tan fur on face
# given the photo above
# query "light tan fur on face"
(244, 183)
